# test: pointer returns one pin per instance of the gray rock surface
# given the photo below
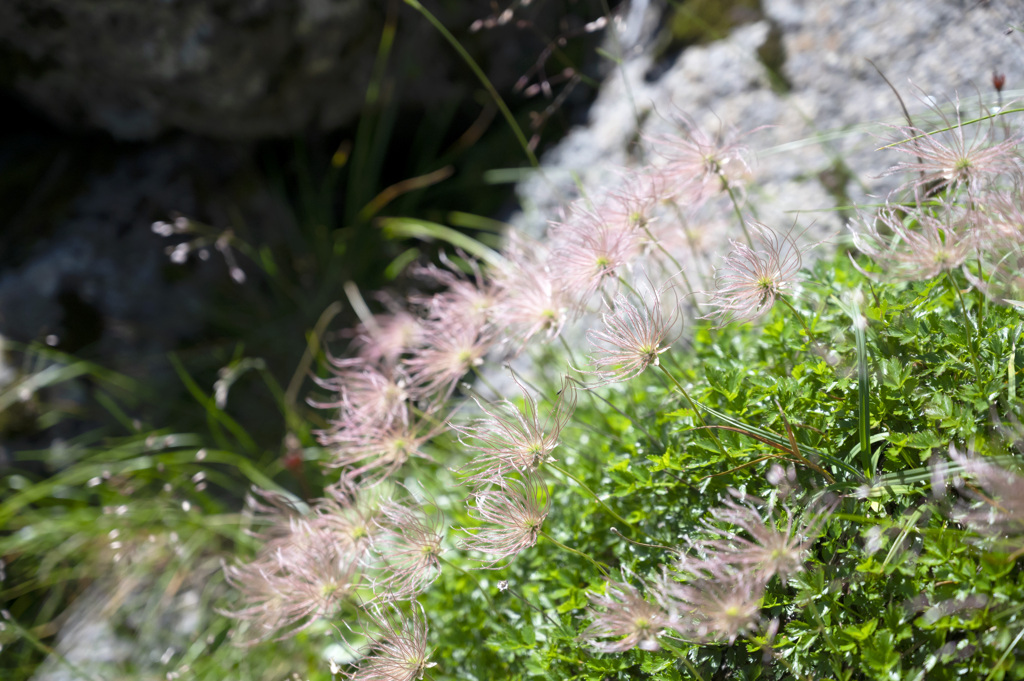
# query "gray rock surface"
(237, 69)
(835, 110)
(100, 278)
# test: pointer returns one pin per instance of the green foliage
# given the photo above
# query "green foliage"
(893, 588)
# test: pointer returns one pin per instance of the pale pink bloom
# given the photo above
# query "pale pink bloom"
(999, 221)
(631, 207)
(530, 301)
(699, 163)
(513, 440)
(366, 396)
(409, 549)
(297, 579)
(769, 550)
(399, 648)
(714, 609)
(624, 615)
(351, 513)
(388, 336)
(587, 252)
(999, 496)
(749, 281)
(917, 245)
(449, 350)
(376, 451)
(999, 231)
(513, 515)
(465, 301)
(961, 156)
(631, 339)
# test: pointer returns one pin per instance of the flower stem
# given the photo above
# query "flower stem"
(700, 417)
(565, 344)
(694, 249)
(471, 576)
(483, 379)
(736, 209)
(797, 314)
(591, 492)
(626, 284)
(967, 322)
(559, 544)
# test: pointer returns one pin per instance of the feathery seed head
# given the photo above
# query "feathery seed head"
(530, 301)
(513, 514)
(749, 281)
(918, 245)
(714, 609)
(631, 339)
(769, 550)
(410, 550)
(959, 156)
(296, 579)
(999, 511)
(588, 252)
(399, 648)
(621, 613)
(513, 440)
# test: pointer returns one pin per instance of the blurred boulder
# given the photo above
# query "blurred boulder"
(232, 69)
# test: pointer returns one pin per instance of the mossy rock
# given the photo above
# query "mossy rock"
(696, 22)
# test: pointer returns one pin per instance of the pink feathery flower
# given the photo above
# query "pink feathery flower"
(631, 207)
(450, 348)
(351, 513)
(713, 609)
(386, 337)
(513, 515)
(621, 613)
(376, 451)
(999, 511)
(749, 281)
(366, 395)
(698, 161)
(955, 157)
(631, 339)
(399, 648)
(296, 580)
(999, 232)
(918, 244)
(530, 302)
(588, 251)
(770, 550)
(513, 440)
(467, 301)
(410, 550)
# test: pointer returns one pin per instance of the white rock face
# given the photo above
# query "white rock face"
(834, 113)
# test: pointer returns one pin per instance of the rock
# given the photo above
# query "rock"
(819, 151)
(240, 69)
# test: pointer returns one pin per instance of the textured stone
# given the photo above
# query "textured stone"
(836, 109)
(226, 68)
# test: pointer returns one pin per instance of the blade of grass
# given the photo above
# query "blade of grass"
(484, 80)
(80, 474)
(214, 414)
(389, 194)
(863, 396)
(412, 228)
(774, 440)
(373, 132)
